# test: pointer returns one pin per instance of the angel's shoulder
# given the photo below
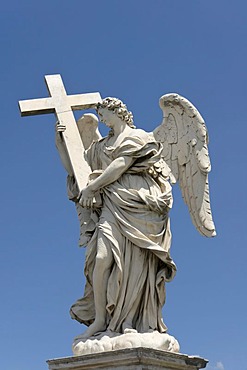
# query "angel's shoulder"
(142, 134)
(96, 145)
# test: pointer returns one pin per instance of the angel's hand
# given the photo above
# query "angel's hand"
(60, 127)
(86, 198)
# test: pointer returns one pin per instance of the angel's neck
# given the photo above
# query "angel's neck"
(120, 130)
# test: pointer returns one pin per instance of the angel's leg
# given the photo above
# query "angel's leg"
(104, 260)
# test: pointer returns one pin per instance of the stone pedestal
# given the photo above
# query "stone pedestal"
(131, 359)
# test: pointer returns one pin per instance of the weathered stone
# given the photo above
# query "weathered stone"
(110, 341)
(62, 105)
(122, 189)
(131, 359)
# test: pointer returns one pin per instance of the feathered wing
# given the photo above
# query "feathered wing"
(88, 129)
(183, 134)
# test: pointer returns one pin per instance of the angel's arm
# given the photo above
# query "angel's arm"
(112, 173)
(88, 130)
(62, 148)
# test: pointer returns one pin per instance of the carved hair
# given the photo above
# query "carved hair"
(118, 107)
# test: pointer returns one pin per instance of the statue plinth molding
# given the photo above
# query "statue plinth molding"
(132, 359)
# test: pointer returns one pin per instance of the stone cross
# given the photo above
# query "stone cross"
(63, 105)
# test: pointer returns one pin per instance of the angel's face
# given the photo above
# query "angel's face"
(106, 116)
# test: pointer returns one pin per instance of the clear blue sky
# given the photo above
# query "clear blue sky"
(136, 50)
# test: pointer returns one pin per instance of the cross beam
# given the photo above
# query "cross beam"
(63, 105)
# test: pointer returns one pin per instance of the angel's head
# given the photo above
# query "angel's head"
(116, 106)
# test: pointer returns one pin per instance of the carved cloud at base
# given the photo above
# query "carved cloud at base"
(108, 341)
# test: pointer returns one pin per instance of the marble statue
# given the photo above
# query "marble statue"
(124, 214)
(122, 188)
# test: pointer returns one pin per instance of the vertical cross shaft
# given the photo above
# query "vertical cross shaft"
(62, 105)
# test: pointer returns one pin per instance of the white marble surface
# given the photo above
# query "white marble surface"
(128, 262)
(184, 137)
(62, 104)
(121, 185)
(109, 341)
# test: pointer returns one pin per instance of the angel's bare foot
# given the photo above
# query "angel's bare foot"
(94, 328)
(127, 328)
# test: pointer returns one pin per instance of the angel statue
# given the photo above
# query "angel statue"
(124, 215)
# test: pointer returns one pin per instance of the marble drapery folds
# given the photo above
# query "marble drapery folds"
(133, 221)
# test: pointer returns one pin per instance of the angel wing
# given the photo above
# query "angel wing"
(88, 129)
(184, 136)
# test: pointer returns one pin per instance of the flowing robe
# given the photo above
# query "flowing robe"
(133, 221)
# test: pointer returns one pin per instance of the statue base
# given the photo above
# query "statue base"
(131, 359)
